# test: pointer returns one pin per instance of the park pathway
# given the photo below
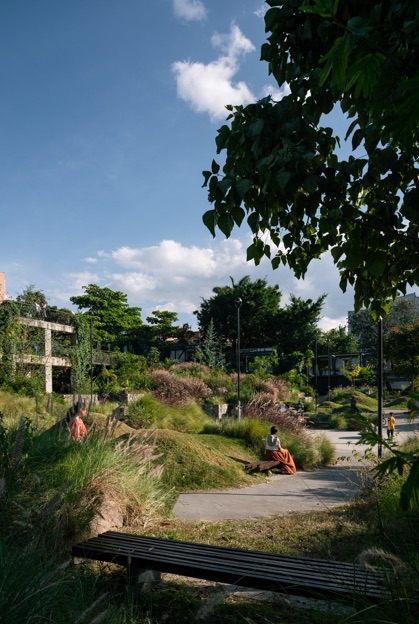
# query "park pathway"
(284, 494)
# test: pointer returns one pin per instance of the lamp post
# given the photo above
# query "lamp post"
(315, 377)
(238, 303)
(328, 371)
(380, 385)
(91, 361)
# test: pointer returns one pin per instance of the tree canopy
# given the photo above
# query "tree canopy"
(298, 324)
(258, 312)
(284, 171)
(111, 314)
(402, 347)
(263, 323)
(403, 312)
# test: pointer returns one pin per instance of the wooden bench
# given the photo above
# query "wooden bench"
(262, 466)
(300, 576)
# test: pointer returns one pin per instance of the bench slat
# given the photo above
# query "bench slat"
(257, 559)
(296, 575)
(236, 574)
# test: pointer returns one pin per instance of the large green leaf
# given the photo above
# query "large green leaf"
(209, 219)
(409, 497)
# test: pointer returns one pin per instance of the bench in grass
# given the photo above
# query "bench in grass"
(300, 576)
(262, 466)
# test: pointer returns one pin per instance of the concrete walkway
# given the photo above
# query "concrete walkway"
(284, 494)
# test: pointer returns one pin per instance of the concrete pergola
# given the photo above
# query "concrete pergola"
(47, 360)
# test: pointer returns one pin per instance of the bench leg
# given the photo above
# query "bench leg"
(146, 579)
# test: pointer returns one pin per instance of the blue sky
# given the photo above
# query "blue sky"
(109, 112)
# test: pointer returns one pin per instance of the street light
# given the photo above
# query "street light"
(328, 370)
(91, 361)
(380, 384)
(238, 303)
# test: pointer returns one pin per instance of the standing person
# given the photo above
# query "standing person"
(43, 311)
(77, 427)
(391, 425)
(274, 451)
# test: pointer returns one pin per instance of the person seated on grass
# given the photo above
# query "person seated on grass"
(75, 422)
(274, 452)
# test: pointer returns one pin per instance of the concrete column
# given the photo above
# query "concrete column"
(48, 361)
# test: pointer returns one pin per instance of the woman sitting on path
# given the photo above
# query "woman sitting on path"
(274, 451)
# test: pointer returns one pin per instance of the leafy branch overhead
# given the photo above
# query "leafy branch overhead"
(284, 173)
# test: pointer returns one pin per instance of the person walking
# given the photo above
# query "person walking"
(391, 425)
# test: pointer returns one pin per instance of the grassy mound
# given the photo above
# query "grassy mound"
(203, 462)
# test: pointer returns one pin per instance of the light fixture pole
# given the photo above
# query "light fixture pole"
(328, 370)
(380, 385)
(91, 361)
(315, 377)
(238, 303)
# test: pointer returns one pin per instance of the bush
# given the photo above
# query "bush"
(265, 407)
(173, 390)
(252, 430)
(338, 422)
(147, 411)
(190, 369)
(23, 385)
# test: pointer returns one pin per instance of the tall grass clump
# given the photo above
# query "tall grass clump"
(175, 390)
(50, 490)
(33, 586)
(266, 407)
(249, 429)
(148, 411)
(103, 470)
(54, 487)
(338, 422)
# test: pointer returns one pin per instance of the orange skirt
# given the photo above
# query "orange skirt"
(284, 457)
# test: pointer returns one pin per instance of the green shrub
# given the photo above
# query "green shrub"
(23, 385)
(326, 449)
(147, 410)
(338, 422)
(252, 430)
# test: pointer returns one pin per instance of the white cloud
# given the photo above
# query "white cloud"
(233, 44)
(171, 276)
(191, 10)
(72, 284)
(261, 9)
(90, 260)
(209, 88)
(275, 93)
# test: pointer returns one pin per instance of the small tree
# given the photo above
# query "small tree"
(211, 352)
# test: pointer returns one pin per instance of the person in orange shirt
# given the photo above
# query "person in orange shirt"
(78, 429)
(391, 424)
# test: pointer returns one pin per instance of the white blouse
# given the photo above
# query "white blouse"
(273, 443)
